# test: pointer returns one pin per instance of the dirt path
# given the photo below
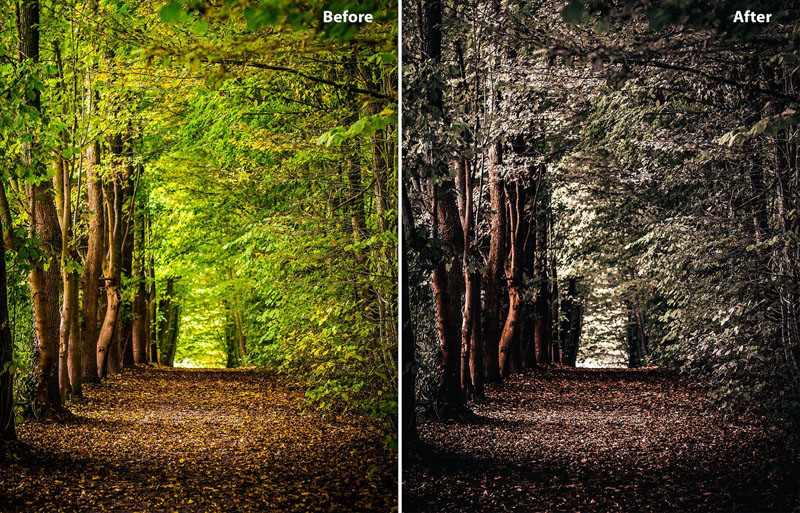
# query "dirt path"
(599, 441)
(198, 440)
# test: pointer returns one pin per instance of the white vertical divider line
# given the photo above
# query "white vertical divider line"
(399, 256)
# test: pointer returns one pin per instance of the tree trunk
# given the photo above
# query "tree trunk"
(241, 342)
(114, 198)
(635, 337)
(569, 333)
(69, 366)
(7, 428)
(75, 354)
(174, 332)
(447, 289)
(575, 334)
(231, 344)
(45, 283)
(356, 191)
(165, 323)
(472, 303)
(139, 308)
(45, 287)
(552, 324)
(542, 323)
(93, 266)
(152, 325)
(495, 265)
(515, 201)
(126, 308)
(471, 340)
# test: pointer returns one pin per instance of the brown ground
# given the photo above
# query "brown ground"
(600, 441)
(198, 440)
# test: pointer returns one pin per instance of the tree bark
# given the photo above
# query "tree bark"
(68, 303)
(7, 427)
(471, 341)
(542, 325)
(75, 354)
(44, 277)
(165, 324)
(93, 267)
(152, 325)
(126, 308)
(45, 282)
(174, 332)
(233, 357)
(356, 191)
(139, 308)
(515, 201)
(447, 282)
(495, 264)
(70, 375)
(113, 200)
(635, 336)
(240, 339)
(570, 323)
(70, 371)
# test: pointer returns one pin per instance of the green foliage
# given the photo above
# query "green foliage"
(246, 212)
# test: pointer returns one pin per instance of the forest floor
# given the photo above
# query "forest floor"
(158, 439)
(600, 441)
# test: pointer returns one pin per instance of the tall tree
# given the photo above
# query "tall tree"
(7, 428)
(43, 219)
(114, 198)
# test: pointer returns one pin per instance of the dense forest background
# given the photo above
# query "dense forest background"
(601, 178)
(199, 184)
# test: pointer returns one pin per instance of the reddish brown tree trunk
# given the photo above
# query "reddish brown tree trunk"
(509, 338)
(90, 281)
(70, 376)
(45, 287)
(114, 199)
(69, 298)
(45, 283)
(447, 291)
(476, 352)
(75, 354)
(495, 265)
(471, 350)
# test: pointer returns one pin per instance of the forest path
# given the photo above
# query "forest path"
(599, 441)
(158, 439)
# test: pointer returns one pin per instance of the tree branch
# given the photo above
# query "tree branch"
(259, 65)
(715, 78)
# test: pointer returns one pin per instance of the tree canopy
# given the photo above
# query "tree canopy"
(242, 156)
(626, 166)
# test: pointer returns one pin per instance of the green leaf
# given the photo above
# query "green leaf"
(200, 28)
(171, 12)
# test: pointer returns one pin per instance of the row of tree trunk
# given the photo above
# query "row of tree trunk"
(509, 317)
(84, 329)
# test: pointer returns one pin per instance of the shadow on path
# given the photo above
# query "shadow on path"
(155, 439)
(600, 441)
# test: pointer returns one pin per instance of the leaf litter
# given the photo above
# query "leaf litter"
(159, 439)
(582, 440)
